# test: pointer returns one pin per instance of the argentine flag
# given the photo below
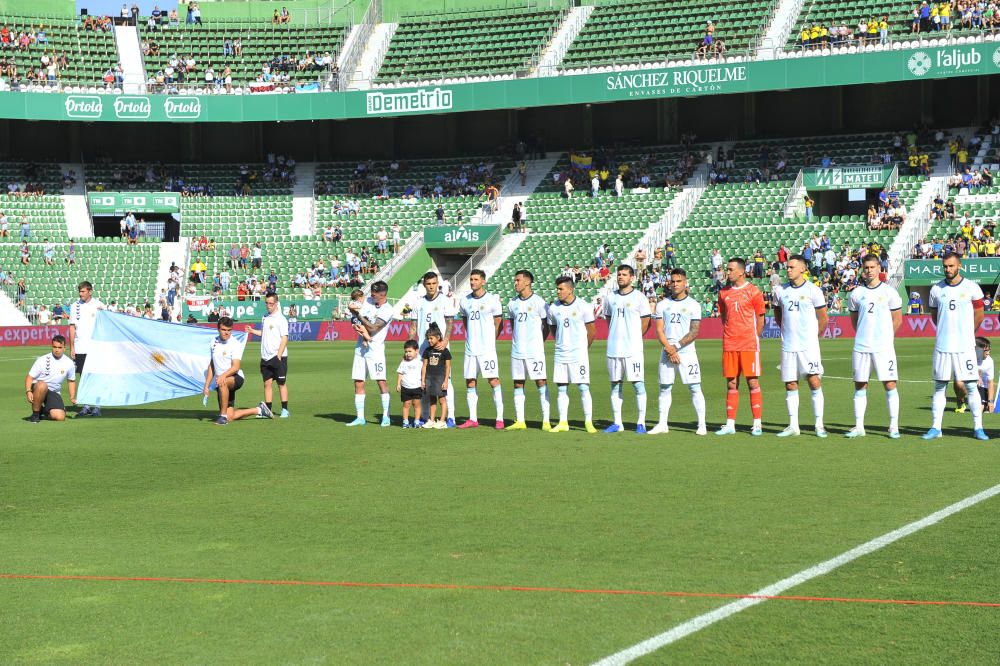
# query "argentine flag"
(132, 361)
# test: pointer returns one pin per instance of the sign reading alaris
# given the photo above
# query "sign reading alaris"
(120, 203)
(473, 235)
(845, 178)
(984, 270)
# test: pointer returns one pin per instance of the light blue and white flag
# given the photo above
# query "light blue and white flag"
(132, 361)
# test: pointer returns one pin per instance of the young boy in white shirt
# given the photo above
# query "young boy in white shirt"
(408, 382)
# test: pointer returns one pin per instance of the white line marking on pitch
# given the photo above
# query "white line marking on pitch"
(707, 619)
(22, 358)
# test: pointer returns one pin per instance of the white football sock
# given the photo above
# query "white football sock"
(938, 402)
(892, 403)
(562, 401)
(698, 400)
(472, 398)
(665, 399)
(498, 401)
(616, 403)
(860, 407)
(359, 404)
(543, 397)
(519, 404)
(588, 402)
(792, 402)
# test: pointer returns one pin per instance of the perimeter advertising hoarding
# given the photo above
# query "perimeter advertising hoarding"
(914, 326)
(620, 85)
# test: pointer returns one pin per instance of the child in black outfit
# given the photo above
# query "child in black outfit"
(434, 376)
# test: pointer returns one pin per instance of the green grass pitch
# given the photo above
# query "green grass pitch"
(159, 492)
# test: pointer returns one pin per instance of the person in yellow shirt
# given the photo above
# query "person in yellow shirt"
(963, 158)
(883, 30)
(824, 36)
(989, 248)
(935, 18)
(953, 153)
(944, 11)
(804, 40)
(914, 163)
(967, 231)
(925, 164)
(872, 30)
(814, 35)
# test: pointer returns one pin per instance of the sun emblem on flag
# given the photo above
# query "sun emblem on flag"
(159, 358)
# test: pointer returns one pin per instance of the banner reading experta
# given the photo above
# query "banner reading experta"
(619, 85)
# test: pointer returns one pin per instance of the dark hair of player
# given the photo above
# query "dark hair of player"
(983, 343)
(798, 257)
(225, 321)
(951, 255)
(562, 279)
(60, 339)
(379, 287)
(526, 273)
(85, 285)
(679, 271)
(478, 271)
(873, 258)
(429, 275)
(271, 294)
(628, 269)
(739, 261)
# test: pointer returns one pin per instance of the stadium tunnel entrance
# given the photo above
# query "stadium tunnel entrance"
(160, 226)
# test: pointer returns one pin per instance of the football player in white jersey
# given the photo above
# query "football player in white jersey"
(483, 315)
(678, 321)
(227, 357)
(800, 311)
(372, 327)
(957, 310)
(876, 312)
(434, 307)
(529, 328)
(43, 383)
(628, 314)
(82, 318)
(571, 321)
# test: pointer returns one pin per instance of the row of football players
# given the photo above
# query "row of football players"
(799, 309)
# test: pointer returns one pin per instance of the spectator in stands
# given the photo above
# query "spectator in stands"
(4, 226)
(49, 253)
(25, 228)
(568, 188)
(22, 291)
(276, 17)
(808, 202)
(25, 253)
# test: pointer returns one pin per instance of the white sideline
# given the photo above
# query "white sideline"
(707, 619)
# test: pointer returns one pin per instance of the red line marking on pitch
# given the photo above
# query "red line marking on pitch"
(495, 588)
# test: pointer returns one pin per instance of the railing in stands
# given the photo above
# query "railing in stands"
(350, 62)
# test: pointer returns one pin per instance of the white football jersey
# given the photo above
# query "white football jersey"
(427, 312)
(874, 307)
(480, 329)
(83, 317)
(273, 327)
(526, 316)
(677, 317)
(224, 353)
(372, 313)
(799, 328)
(955, 313)
(625, 313)
(53, 371)
(570, 323)
(986, 371)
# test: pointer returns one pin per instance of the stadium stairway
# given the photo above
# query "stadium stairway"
(554, 52)
(130, 57)
(511, 193)
(78, 223)
(918, 222)
(304, 200)
(374, 54)
(780, 28)
(9, 314)
(172, 253)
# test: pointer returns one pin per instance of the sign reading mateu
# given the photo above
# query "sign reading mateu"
(845, 178)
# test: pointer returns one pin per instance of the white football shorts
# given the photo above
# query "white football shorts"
(797, 364)
(631, 369)
(886, 368)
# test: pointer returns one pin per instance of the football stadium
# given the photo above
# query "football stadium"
(698, 298)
